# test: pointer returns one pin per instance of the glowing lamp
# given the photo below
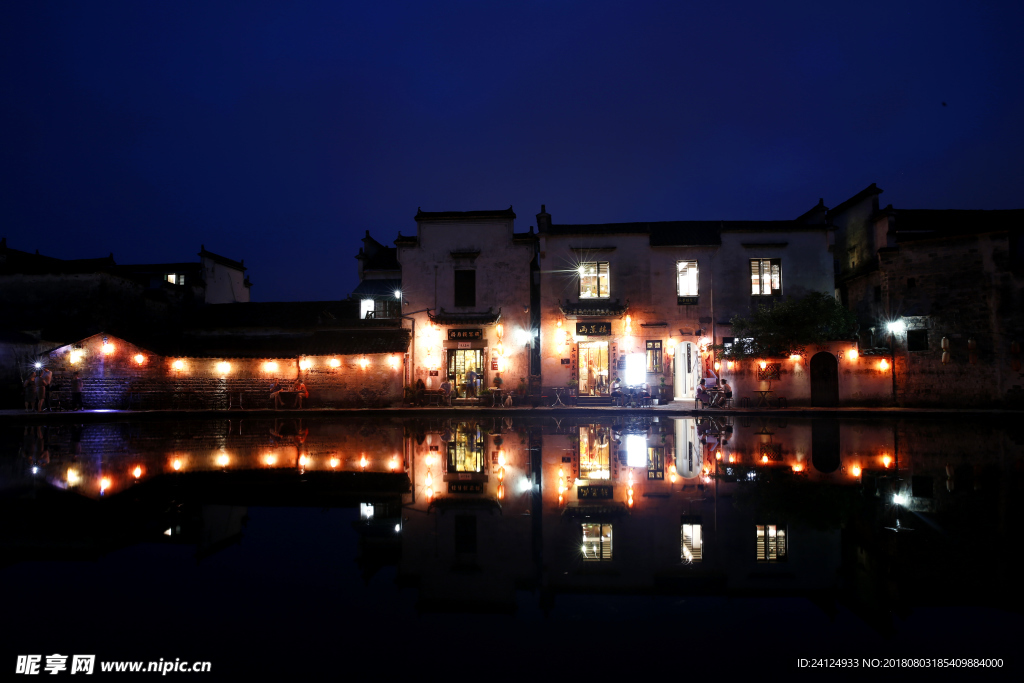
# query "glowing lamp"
(178, 365)
(883, 365)
(270, 366)
(852, 355)
(794, 356)
(104, 484)
(334, 463)
(886, 461)
(137, 472)
(732, 458)
(499, 330)
(896, 327)
(855, 470)
(270, 459)
(176, 465)
(108, 348)
(501, 474)
(501, 491)
(636, 451)
(729, 365)
(899, 499)
(392, 464)
(718, 365)
(75, 356)
(430, 493)
(764, 458)
(560, 499)
(672, 477)
(223, 460)
(718, 454)
(305, 364)
(334, 363)
(362, 462)
(762, 364)
(303, 460)
(558, 323)
(797, 467)
(363, 362)
(501, 458)
(38, 365)
(223, 367)
(73, 477)
(398, 294)
(394, 362)
(429, 481)
(139, 359)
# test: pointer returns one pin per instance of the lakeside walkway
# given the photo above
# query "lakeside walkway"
(16, 416)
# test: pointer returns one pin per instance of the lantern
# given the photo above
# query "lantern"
(852, 355)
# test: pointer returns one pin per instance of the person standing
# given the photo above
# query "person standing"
(471, 383)
(30, 391)
(77, 387)
(47, 380)
(40, 391)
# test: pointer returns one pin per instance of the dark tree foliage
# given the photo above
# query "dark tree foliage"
(790, 326)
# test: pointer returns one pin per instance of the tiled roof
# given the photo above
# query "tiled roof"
(602, 308)
(869, 191)
(377, 289)
(922, 224)
(681, 233)
(406, 240)
(276, 314)
(462, 215)
(444, 318)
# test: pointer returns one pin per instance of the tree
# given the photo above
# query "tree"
(789, 327)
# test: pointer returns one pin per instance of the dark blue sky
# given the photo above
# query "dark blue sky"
(279, 132)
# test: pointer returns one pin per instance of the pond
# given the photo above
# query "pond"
(505, 546)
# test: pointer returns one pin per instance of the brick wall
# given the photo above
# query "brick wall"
(111, 379)
(962, 289)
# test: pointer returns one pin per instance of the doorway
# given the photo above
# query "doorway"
(460, 362)
(682, 371)
(593, 369)
(824, 380)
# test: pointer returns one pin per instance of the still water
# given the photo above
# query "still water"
(505, 546)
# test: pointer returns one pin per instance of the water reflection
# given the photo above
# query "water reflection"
(470, 511)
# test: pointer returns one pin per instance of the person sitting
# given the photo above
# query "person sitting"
(301, 392)
(617, 390)
(702, 394)
(726, 392)
(275, 393)
(420, 391)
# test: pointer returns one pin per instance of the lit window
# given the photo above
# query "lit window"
(597, 542)
(656, 463)
(691, 543)
(594, 280)
(366, 309)
(686, 278)
(765, 277)
(466, 452)
(594, 458)
(771, 543)
(653, 355)
(175, 278)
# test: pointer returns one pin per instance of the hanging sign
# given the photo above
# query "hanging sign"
(466, 334)
(593, 329)
(465, 345)
(653, 345)
(465, 487)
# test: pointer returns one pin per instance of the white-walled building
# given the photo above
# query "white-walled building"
(466, 285)
(662, 292)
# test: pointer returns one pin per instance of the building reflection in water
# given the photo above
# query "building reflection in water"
(472, 511)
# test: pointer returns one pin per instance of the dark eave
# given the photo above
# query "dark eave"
(222, 260)
(869, 191)
(445, 318)
(594, 309)
(427, 216)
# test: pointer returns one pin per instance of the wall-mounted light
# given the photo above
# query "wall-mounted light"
(139, 359)
(334, 363)
(883, 365)
(393, 360)
(75, 355)
(178, 365)
(223, 367)
(305, 364)
(852, 354)
(107, 347)
(270, 366)
(363, 362)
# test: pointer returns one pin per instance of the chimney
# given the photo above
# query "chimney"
(543, 220)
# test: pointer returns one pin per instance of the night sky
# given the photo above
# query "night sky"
(279, 132)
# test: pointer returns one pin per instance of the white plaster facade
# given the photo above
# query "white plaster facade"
(483, 247)
(643, 303)
(225, 279)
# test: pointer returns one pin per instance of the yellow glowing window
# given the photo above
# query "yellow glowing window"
(691, 543)
(686, 278)
(466, 452)
(596, 544)
(771, 543)
(765, 276)
(594, 280)
(594, 449)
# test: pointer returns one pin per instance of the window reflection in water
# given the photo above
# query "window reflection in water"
(597, 542)
(466, 451)
(594, 448)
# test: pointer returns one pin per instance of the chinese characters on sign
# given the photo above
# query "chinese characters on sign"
(593, 329)
(29, 664)
(465, 487)
(465, 334)
(652, 345)
(602, 492)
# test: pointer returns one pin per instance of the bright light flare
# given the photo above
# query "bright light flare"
(139, 359)
(75, 356)
(176, 465)
(636, 450)
(896, 327)
(178, 365)
(104, 484)
(883, 365)
(73, 477)
(363, 362)
(223, 460)
(305, 364)
(362, 462)
(334, 463)
(223, 367)
(855, 471)
(899, 499)
(270, 366)
(334, 363)
(137, 472)
(852, 355)
(108, 349)
(886, 461)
